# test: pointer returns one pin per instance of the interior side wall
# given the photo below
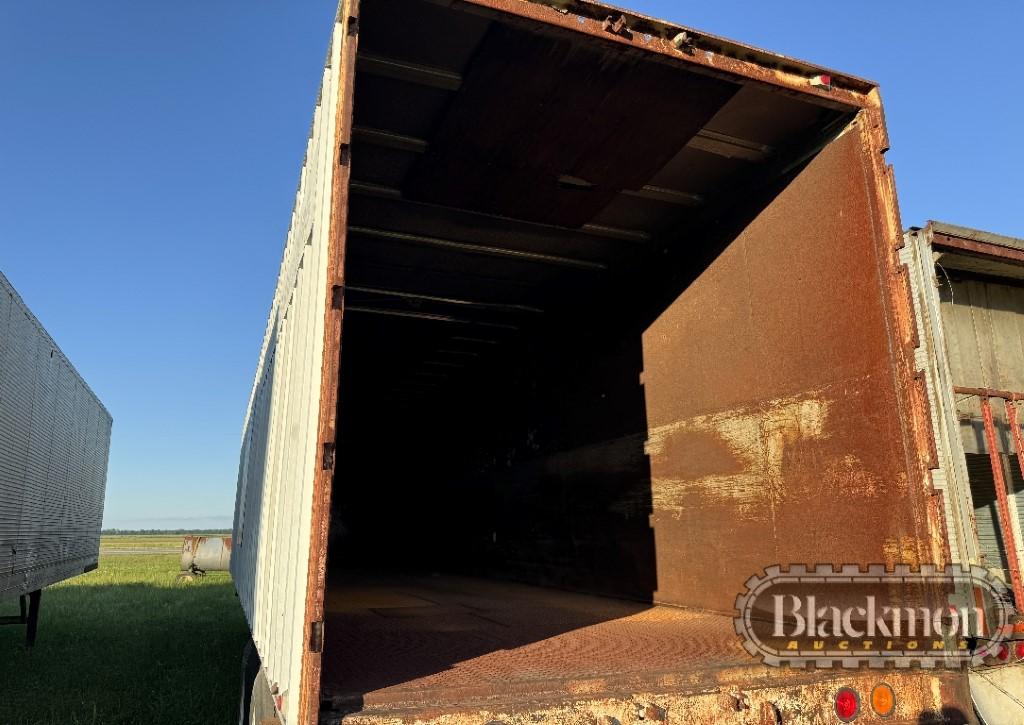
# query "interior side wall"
(772, 409)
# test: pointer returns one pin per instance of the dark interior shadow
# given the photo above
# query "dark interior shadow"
(535, 472)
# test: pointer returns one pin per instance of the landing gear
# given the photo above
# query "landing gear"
(29, 615)
(191, 574)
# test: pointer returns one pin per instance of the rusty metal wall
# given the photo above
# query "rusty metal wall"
(280, 454)
(780, 370)
(54, 444)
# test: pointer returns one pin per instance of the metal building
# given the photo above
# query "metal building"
(969, 293)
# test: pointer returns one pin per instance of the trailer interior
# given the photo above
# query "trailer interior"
(556, 249)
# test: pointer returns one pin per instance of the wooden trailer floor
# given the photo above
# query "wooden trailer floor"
(442, 641)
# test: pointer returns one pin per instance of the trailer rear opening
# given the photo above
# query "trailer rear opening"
(599, 318)
(593, 305)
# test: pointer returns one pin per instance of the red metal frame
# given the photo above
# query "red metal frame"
(1002, 502)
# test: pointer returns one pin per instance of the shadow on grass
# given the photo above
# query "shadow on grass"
(126, 644)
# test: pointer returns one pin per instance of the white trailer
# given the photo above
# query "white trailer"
(54, 443)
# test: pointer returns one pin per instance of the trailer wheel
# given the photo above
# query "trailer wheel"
(256, 706)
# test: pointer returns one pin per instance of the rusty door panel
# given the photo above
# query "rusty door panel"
(776, 369)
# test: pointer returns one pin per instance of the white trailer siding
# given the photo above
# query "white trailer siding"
(951, 477)
(54, 444)
(280, 455)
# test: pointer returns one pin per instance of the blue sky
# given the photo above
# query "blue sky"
(149, 153)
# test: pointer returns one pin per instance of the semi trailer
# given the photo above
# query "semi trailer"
(584, 320)
(54, 444)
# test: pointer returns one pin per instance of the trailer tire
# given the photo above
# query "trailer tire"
(256, 704)
(261, 703)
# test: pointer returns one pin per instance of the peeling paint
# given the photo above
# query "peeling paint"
(756, 440)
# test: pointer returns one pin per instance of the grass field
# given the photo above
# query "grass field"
(127, 644)
(149, 541)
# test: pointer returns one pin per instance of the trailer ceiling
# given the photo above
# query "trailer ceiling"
(507, 173)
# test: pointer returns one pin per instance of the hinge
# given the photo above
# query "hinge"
(616, 26)
(328, 459)
(344, 154)
(337, 296)
(316, 636)
(353, 25)
(683, 41)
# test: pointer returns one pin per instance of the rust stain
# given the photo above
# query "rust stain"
(735, 456)
(797, 698)
(589, 18)
(323, 476)
(694, 453)
(902, 550)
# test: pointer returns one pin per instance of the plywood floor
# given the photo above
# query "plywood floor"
(435, 641)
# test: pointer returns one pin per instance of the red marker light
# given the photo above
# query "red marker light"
(1004, 653)
(822, 81)
(847, 704)
(1018, 650)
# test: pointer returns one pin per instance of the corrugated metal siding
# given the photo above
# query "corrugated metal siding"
(984, 323)
(951, 478)
(54, 445)
(985, 513)
(279, 442)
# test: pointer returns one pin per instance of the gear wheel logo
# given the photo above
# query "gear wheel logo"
(848, 616)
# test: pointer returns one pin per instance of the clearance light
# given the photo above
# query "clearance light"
(1004, 653)
(883, 700)
(1018, 650)
(822, 81)
(847, 704)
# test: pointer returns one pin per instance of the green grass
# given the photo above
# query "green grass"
(140, 541)
(127, 644)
